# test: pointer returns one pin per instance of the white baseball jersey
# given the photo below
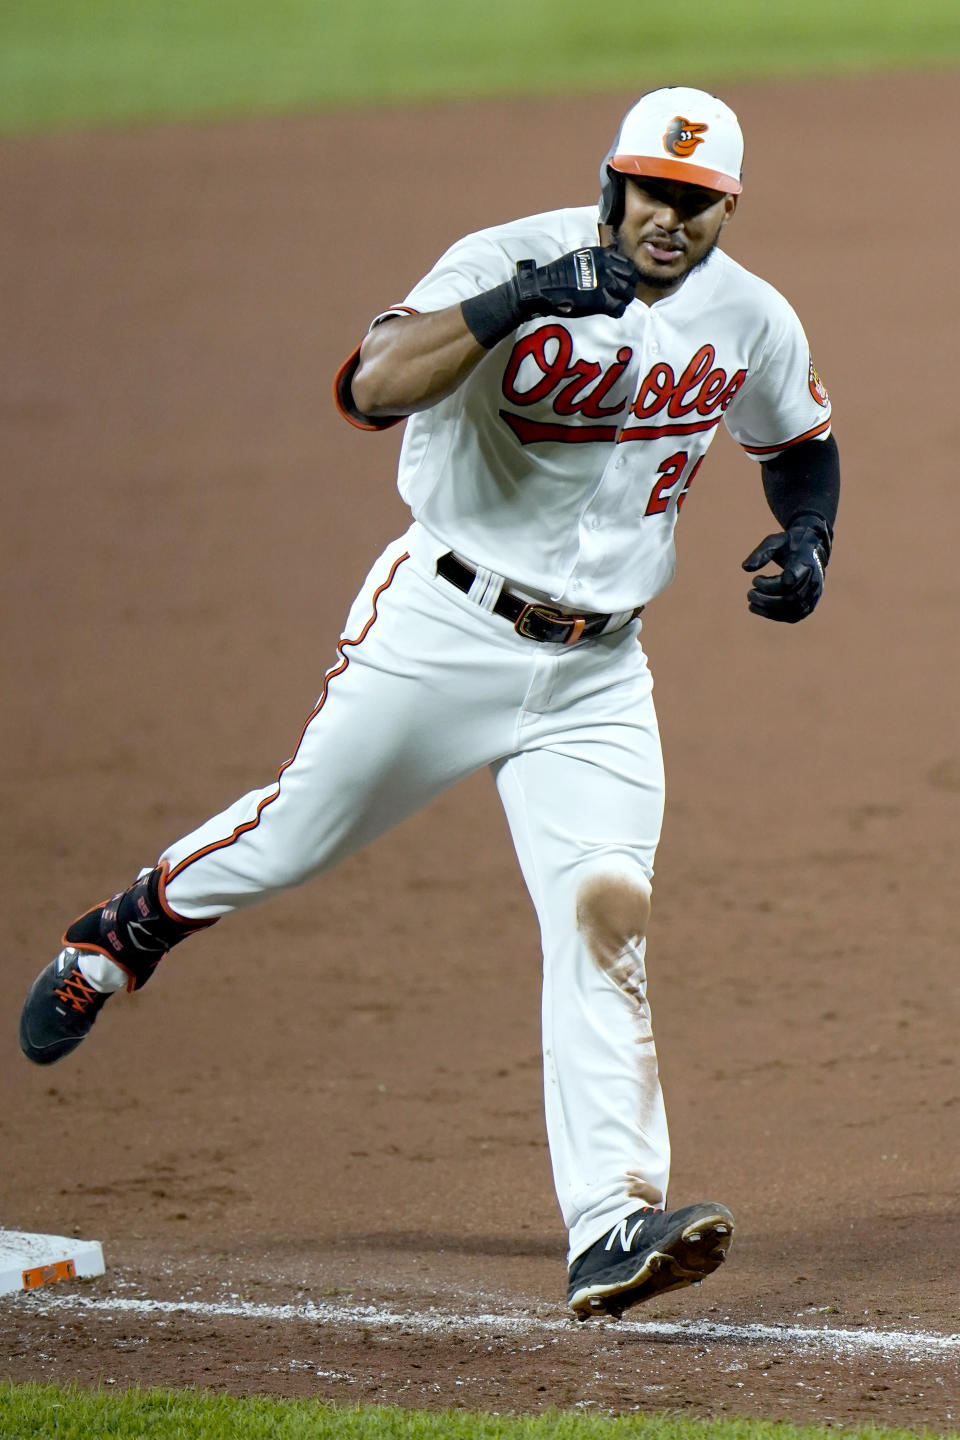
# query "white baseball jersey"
(563, 460)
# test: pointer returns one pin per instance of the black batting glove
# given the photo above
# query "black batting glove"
(802, 550)
(596, 281)
(584, 282)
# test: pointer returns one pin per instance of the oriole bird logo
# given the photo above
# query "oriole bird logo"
(682, 136)
(817, 388)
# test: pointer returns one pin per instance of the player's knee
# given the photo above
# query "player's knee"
(612, 913)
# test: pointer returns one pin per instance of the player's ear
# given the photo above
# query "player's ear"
(729, 207)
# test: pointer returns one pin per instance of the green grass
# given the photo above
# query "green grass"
(35, 1412)
(70, 62)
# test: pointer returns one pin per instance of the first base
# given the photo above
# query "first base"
(28, 1261)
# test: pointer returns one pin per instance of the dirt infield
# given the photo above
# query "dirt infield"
(337, 1096)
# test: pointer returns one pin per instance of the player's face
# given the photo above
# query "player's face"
(668, 228)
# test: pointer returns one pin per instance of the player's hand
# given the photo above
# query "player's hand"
(802, 552)
(597, 281)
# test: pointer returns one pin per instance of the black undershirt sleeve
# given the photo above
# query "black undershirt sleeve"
(804, 482)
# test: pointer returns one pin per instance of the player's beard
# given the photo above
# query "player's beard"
(655, 279)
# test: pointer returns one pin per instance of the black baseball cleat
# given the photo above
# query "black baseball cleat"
(647, 1254)
(59, 1010)
(135, 929)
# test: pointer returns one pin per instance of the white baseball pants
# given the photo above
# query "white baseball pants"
(428, 687)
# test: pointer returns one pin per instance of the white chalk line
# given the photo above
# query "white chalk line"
(915, 1344)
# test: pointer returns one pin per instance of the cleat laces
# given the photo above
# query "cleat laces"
(77, 992)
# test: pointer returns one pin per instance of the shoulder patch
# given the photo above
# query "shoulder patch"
(817, 388)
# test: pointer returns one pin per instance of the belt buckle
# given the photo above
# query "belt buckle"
(533, 611)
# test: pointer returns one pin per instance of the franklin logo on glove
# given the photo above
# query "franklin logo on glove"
(586, 270)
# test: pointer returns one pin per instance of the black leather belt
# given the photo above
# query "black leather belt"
(529, 617)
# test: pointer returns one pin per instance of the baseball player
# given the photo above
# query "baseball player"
(561, 377)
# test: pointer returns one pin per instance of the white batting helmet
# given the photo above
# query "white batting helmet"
(673, 134)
